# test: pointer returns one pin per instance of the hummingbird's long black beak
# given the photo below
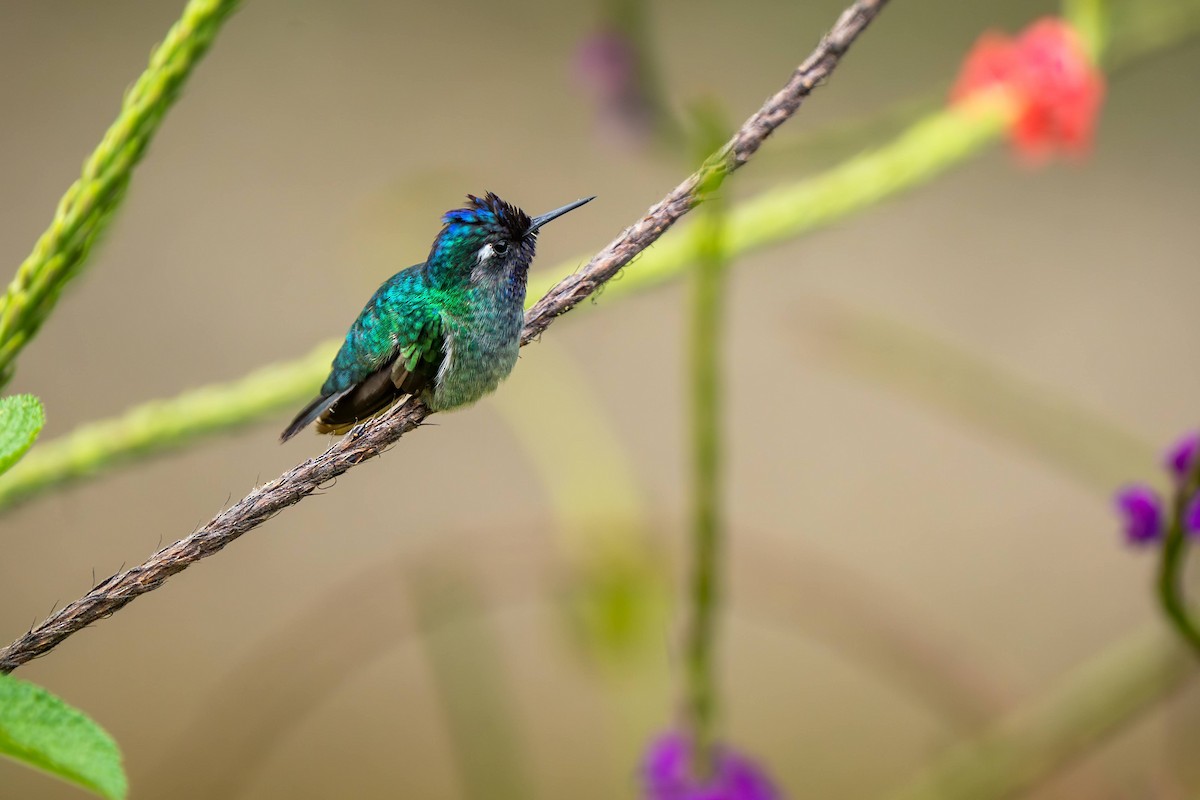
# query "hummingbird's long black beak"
(538, 222)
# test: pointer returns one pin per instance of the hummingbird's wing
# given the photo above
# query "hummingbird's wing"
(411, 367)
(408, 367)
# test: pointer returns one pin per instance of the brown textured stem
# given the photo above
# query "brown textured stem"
(372, 438)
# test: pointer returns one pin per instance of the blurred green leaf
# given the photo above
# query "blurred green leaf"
(1057, 429)
(38, 729)
(613, 608)
(617, 607)
(1139, 28)
(21, 419)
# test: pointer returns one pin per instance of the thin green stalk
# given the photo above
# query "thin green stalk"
(1090, 20)
(705, 336)
(924, 151)
(164, 425)
(1171, 595)
(84, 211)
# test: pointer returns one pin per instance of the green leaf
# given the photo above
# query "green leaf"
(21, 419)
(38, 729)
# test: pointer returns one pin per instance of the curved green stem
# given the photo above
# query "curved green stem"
(1171, 595)
(1170, 590)
(84, 211)
(163, 426)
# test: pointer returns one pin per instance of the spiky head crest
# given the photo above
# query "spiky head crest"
(492, 214)
(486, 239)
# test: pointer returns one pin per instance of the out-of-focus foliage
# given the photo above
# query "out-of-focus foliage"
(615, 602)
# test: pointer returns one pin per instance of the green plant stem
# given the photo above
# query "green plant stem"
(1089, 705)
(1170, 588)
(164, 425)
(84, 211)
(924, 151)
(1171, 595)
(1089, 18)
(705, 341)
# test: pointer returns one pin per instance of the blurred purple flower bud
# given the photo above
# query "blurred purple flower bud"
(1181, 455)
(668, 774)
(1141, 512)
(607, 66)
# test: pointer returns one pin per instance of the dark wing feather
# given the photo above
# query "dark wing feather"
(362, 401)
(394, 348)
(309, 413)
(410, 370)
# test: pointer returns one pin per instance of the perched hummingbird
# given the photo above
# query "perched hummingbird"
(447, 330)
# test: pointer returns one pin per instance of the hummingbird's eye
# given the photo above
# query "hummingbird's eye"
(500, 248)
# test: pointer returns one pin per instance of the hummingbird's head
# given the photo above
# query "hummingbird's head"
(489, 240)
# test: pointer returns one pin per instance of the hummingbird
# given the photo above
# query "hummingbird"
(446, 330)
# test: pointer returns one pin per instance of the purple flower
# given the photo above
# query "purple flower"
(1181, 455)
(607, 63)
(607, 67)
(668, 774)
(1141, 510)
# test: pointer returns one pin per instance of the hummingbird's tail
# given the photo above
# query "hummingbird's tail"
(309, 413)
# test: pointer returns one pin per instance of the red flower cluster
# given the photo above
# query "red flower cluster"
(1048, 74)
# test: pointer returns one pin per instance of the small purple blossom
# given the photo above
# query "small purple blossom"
(1180, 457)
(606, 62)
(607, 67)
(668, 774)
(1141, 511)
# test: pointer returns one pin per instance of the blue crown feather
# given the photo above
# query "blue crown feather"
(491, 212)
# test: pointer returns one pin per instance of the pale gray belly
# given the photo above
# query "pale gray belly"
(478, 357)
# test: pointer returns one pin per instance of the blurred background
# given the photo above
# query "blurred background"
(491, 609)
